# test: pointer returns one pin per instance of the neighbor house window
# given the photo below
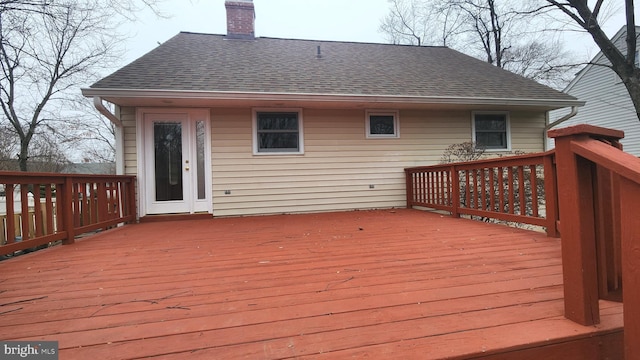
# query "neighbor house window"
(382, 124)
(278, 132)
(491, 130)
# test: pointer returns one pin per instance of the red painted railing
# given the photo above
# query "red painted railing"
(517, 189)
(600, 226)
(41, 208)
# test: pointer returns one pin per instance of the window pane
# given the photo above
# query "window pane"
(273, 141)
(200, 156)
(278, 132)
(381, 125)
(277, 121)
(491, 122)
(168, 161)
(492, 140)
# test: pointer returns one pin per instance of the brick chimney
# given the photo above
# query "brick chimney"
(241, 17)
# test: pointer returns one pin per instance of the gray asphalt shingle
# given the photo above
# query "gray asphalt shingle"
(204, 62)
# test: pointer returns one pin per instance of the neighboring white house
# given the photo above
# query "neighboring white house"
(607, 102)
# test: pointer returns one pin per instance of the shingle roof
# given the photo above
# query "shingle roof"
(204, 62)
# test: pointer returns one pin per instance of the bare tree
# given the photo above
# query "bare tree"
(589, 18)
(90, 133)
(47, 50)
(500, 32)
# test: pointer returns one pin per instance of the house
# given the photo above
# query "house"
(240, 125)
(106, 168)
(608, 103)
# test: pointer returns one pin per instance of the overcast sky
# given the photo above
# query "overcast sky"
(341, 20)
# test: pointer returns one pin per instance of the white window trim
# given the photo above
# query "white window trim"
(274, 110)
(508, 119)
(396, 123)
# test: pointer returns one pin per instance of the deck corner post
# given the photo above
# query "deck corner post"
(576, 205)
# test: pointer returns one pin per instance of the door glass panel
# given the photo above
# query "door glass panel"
(168, 161)
(200, 149)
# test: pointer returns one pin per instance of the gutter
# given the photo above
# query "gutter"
(263, 96)
(119, 133)
(97, 102)
(574, 112)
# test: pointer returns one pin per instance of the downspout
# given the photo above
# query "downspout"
(574, 112)
(119, 133)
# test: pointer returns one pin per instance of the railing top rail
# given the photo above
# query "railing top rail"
(616, 160)
(18, 174)
(493, 162)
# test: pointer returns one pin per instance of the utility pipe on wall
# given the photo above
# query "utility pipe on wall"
(574, 112)
(119, 133)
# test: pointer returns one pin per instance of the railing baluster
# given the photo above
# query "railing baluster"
(49, 215)
(512, 198)
(483, 189)
(523, 200)
(501, 189)
(11, 222)
(24, 215)
(102, 206)
(491, 193)
(468, 190)
(443, 188)
(533, 182)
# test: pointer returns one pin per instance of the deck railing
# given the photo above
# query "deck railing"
(40, 208)
(517, 188)
(600, 226)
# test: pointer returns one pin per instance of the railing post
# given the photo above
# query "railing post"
(409, 187)
(575, 178)
(131, 197)
(455, 191)
(631, 265)
(551, 195)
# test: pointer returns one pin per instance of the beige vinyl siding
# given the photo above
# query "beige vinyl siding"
(128, 118)
(339, 163)
(527, 131)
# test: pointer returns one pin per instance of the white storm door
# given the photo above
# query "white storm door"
(175, 164)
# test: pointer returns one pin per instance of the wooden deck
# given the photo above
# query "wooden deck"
(370, 284)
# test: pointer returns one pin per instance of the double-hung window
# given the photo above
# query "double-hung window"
(278, 132)
(491, 130)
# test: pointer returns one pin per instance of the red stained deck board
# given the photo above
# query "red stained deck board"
(354, 283)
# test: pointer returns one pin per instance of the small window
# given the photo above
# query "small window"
(278, 132)
(491, 130)
(382, 124)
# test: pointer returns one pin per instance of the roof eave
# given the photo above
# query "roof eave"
(305, 97)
